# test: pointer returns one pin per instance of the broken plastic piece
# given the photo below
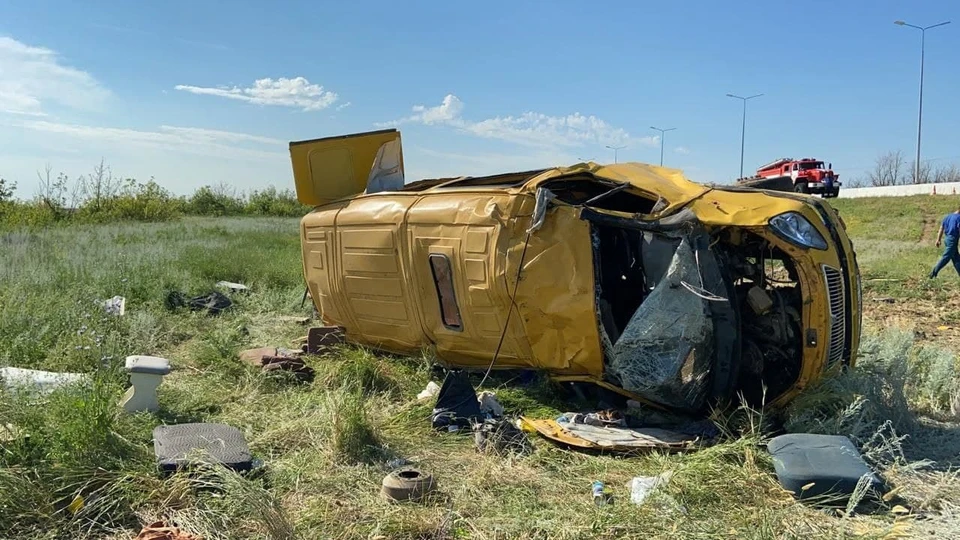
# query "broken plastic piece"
(115, 306)
(611, 438)
(232, 287)
(36, 381)
(431, 390)
(544, 196)
(489, 404)
(322, 339)
(642, 486)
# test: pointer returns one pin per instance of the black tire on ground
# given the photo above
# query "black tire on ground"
(801, 188)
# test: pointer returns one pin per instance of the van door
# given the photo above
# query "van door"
(332, 168)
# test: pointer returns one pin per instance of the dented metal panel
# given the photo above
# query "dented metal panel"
(367, 262)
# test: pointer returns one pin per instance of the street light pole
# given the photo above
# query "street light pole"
(923, 34)
(615, 149)
(662, 131)
(743, 126)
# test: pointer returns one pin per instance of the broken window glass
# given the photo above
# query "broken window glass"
(666, 351)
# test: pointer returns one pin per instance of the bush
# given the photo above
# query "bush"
(215, 201)
(271, 202)
(99, 197)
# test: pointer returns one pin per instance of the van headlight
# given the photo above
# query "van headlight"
(795, 229)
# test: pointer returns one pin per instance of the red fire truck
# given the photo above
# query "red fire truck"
(805, 175)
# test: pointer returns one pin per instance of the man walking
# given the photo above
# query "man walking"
(951, 228)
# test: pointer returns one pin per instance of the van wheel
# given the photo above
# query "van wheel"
(801, 188)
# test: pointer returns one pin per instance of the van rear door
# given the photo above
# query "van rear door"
(332, 168)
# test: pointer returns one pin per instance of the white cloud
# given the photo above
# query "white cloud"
(33, 77)
(181, 139)
(297, 92)
(343, 106)
(528, 129)
(447, 112)
(213, 135)
(683, 150)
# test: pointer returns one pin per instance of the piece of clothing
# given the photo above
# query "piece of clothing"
(951, 225)
(950, 253)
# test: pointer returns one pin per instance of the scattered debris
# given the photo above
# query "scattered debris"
(489, 404)
(159, 530)
(114, 306)
(609, 417)
(293, 319)
(254, 357)
(323, 339)
(37, 381)
(181, 445)
(8, 432)
(886, 299)
(271, 359)
(643, 486)
(297, 366)
(232, 287)
(146, 374)
(826, 467)
(431, 390)
(601, 496)
(409, 484)
(212, 302)
(396, 463)
(617, 439)
(457, 405)
(500, 437)
(76, 505)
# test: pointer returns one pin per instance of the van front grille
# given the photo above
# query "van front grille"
(838, 330)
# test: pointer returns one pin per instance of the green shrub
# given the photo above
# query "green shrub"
(214, 201)
(271, 202)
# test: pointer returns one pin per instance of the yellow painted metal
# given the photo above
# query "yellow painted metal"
(366, 264)
(332, 168)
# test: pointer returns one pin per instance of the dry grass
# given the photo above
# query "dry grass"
(326, 444)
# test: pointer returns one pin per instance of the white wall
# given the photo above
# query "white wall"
(947, 188)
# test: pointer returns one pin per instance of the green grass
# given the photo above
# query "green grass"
(325, 444)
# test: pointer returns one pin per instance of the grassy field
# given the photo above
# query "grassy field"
(326, 445)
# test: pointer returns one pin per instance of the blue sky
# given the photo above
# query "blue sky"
(193, 93)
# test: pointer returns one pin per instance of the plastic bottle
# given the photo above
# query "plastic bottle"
(599, 497)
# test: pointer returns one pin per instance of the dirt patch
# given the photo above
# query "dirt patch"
(930, 227)
(935, 321)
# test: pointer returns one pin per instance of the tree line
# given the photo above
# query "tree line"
(891, 169)
(100, 196)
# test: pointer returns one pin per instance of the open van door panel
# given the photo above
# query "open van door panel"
(332, 168)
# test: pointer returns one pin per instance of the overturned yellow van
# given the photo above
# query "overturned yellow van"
(628, 276)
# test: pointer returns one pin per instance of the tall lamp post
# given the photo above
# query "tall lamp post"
(662, 131)
(923, 33)
(743, 127)
(615, 150)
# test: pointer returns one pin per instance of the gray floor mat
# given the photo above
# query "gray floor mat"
(181, 444)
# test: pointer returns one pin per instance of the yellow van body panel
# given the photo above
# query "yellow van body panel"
(367, 264)
(332, 168)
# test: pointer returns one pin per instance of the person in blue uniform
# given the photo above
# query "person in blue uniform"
(949, 234)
